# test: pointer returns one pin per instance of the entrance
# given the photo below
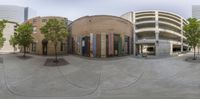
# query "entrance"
(118, 45)
(86, 46)
(148, 49)
(44, 46)
(176, 48)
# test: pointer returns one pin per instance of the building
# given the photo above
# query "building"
(40, 45)
(157, 32)
(16, 13)
(196, 11)
(8, 31)
(101, 36)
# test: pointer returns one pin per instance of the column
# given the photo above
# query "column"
(134, 34)
(91, 44)
(157, 33)
(103, 45)
(94, 45)
(111, 44)
(181, 35)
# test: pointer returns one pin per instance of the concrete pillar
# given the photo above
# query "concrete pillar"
(171, 49)
(181, 35)
(134, 34)
(157, 33)
(91, 44)
(103, 45)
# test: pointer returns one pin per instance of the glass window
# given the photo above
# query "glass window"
(33, 46)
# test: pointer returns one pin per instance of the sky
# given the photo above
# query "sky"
(73, 9)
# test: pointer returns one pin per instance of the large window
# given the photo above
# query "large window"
(33, 46)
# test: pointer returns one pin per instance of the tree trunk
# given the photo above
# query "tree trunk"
(14, 50)
(56, 60)
(198, 50)
(194, 54)
(24, 51)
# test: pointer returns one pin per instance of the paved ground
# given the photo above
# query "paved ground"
(120, 78)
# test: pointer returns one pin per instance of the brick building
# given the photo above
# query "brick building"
(41, 46)
(101, 36)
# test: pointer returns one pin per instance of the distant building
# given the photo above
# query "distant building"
(8, 31)
(16, 13)
(196, 11)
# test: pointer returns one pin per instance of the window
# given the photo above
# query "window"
(34, 20)
(44, 20)
(15, 27)
(33, 46)
(34, 29)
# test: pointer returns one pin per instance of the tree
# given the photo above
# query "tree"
(2, 26)
(192, 33)
(23, 36)
(13, 41)
(55, 31)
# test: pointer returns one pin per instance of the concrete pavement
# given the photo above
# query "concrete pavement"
(124, 78)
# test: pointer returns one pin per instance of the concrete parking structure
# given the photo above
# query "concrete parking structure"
(157, 32)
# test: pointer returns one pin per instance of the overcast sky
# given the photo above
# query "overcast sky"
(73, 9)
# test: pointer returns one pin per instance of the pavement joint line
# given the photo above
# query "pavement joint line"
(76, 85)
(31, 75)
(98, 88)
(11, 91)
(133, 83)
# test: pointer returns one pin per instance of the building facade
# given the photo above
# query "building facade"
(9, 30)
(16, 13)
(157, 32)
(40, 45)
(100, 36)
(196, 11)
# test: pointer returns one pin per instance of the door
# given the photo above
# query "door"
(44, 47)
(86, 46)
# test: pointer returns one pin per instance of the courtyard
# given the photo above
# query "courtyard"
(85, 78)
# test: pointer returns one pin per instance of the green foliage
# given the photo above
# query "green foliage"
(23, 35)
(192, 33)
(2, 26)
(13, 41)
(55, 31)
